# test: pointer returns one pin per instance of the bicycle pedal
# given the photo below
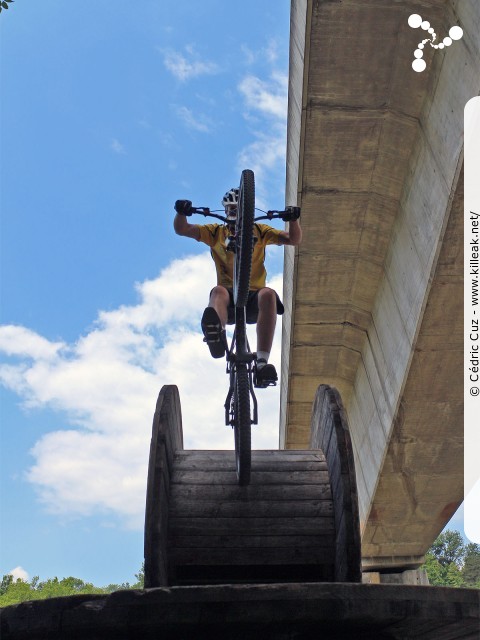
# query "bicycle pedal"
(212, 336)
(264, 384)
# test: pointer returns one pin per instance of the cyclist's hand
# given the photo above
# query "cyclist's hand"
(291, 213)
(183, 207)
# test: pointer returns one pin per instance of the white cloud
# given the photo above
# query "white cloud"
(267, 100)
(198, 123)
(271, 51)
(267, 53)
(18, 341)
(266, 156)
(248, 53)
(117, 147)
(19, 574)
(106, 385)
(268, 97)
(189, 66)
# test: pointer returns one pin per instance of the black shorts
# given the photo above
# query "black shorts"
(252, 307)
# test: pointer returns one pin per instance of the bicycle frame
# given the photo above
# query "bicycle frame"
(241, 355)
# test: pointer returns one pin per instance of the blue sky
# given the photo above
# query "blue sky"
(110, 112)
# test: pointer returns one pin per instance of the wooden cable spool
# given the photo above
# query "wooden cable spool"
(296, 521)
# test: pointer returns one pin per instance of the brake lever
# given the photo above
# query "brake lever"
(205, 211)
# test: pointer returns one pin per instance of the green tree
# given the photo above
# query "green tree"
(471, 566)
(5, 584)
(444, 560)
(451, 563)
(55, 588)
(14, 591)
(448, 548)
(434, 569)
(453, 575)
(140, 576)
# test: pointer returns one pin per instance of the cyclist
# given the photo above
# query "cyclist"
(263, 303)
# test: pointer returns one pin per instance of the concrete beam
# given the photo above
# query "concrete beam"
(375, 292)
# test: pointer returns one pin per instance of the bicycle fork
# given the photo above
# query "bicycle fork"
(232, 360)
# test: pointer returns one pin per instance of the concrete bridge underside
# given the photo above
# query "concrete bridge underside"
(374, 295)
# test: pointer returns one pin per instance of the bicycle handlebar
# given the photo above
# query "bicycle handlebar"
(205, 211)
(290, 213)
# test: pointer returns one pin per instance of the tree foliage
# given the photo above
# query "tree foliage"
(451, 563)
(14, 591)
(4, 4)
(471, 565)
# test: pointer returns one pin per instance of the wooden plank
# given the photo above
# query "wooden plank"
(256, 453)
(329, 430)
(156, 533)
(183, 508)
(235, 493)
(258, 477)
(166, 438)
(209, 463)
(249, 526)
(284, 455)
(233, 541)
(243, 556)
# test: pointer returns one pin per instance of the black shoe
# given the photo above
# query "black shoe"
(265, 375)
(214, 334)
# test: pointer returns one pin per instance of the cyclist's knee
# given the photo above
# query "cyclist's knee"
(267, 296)
(219, 293)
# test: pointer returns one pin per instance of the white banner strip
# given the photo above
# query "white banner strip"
(472, 319)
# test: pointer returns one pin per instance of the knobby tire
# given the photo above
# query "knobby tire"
(244, 238)
(242, 426)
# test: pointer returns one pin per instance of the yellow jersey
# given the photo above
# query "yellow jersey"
(215, 235)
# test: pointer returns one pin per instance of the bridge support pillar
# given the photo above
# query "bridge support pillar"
(411, 576)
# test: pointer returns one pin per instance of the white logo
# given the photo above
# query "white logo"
(416, 21)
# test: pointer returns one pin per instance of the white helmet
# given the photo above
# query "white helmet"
(231, 197)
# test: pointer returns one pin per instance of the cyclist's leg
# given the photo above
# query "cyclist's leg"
(214, 319)
(267, 319)
(266, 322)
(219, 300)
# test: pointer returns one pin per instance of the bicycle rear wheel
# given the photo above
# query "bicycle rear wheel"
(242, 425)
(244, 238)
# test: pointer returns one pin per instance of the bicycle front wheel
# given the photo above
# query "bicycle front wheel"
(242, 425)
(244, 238)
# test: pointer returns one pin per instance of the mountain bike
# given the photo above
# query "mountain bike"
(239, 413)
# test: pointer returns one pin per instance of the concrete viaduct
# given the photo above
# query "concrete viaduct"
(374, 295)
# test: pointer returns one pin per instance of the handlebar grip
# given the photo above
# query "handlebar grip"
(291, 213)
(183, 207)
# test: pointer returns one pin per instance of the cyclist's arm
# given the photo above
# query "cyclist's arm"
(184, 228)
(294, 234)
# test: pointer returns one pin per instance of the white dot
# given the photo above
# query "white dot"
(419, 65)
(441, 45)
(431, 30)
(435, 46)
(425, 25)
(415, 20)
(455, 33)
(447, 41)
(421, 45)
(418, 54)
